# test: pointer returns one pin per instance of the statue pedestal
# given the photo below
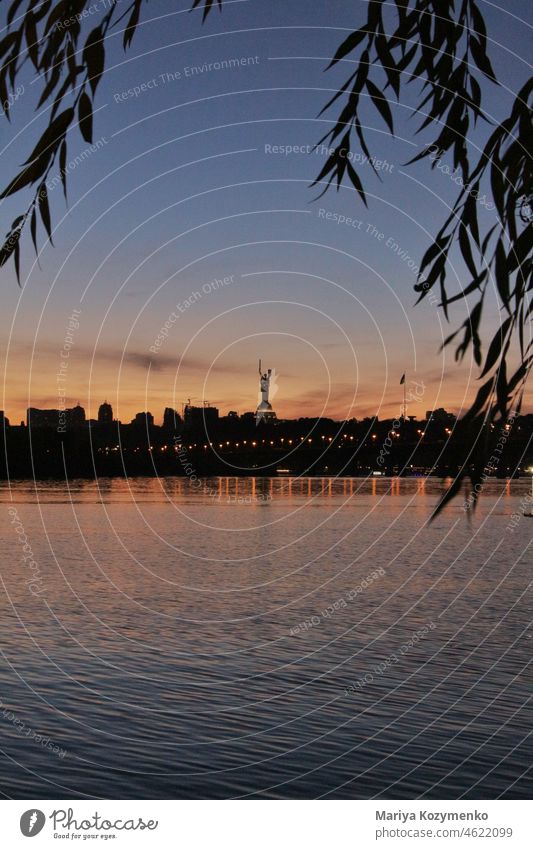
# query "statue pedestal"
(264, 412)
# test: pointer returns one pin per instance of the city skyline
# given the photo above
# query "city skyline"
(416, 408)
(77, 415)
(203, 443)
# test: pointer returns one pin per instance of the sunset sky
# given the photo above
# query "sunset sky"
(188, 185)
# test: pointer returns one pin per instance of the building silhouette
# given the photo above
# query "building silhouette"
(105, 414)
(172, 420)
(73, 417)
(200, 417)
(143, 420)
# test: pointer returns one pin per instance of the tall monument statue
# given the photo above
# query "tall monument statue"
(264, 408)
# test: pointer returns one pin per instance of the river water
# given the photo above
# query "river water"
(274, 638)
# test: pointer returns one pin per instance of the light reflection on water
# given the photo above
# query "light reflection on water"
(199, 641)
